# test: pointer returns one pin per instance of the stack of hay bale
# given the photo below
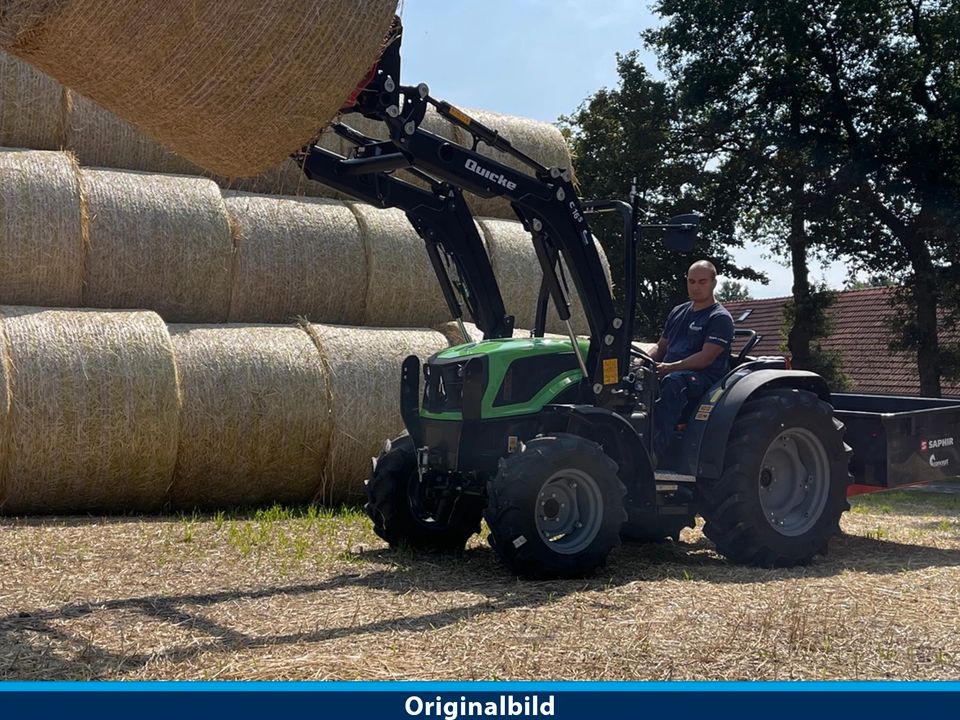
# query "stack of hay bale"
(178, 341)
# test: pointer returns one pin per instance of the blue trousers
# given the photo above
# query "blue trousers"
(677, 391)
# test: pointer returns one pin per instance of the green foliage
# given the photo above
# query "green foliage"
(732, 291)
(838, 123)
(626, 134)
(826, 362)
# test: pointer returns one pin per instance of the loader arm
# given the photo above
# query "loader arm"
(441, 218)
(545, 201)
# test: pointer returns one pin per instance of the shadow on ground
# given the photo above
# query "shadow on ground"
(35, 645)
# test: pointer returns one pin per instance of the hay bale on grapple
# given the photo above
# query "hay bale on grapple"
(255, 416)
(42, 230)
(93, 422)
(233, 87)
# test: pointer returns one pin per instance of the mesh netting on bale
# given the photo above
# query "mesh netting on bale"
(94, 419)
(402, 289)
(161, 242)
(364, 370)
(296, 257)
(515, 264)
(101, 139)
(233, 87)
(255, 416)
(541, 141)
(41, 229)
(31, 107)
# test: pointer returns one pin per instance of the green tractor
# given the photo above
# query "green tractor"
(548, 440)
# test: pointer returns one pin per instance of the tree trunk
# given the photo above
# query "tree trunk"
(926, 299)
(802, 332)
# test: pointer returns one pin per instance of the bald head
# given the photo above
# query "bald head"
(701, 282)
(704, 265)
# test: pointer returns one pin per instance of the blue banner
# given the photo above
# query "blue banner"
(460, 701)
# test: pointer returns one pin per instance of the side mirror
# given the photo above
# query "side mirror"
(681, 233)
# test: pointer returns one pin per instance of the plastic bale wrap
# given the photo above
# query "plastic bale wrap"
(402, 288)
(255, 416)
(94, 419)
(364, 366)
(31, 107)
(233, 87)
(296, 257)
(101, 139)
(515, 264)
(42, 230)
(541, 141)
(161, 242)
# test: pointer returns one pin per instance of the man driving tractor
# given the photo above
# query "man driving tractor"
(693, 353)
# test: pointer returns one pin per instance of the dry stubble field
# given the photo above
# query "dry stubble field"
(314, 595)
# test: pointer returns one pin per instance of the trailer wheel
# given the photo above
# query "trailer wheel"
(406, 514)
(784, 482)
(555, 507)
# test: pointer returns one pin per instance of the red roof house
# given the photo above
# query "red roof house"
(861, 334)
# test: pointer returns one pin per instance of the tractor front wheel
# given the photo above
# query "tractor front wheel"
(408, 513)
(555, 507)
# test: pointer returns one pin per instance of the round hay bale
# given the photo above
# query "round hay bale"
(296, 257)
(42, 231)
(233, 87)
(101, 139)
(161, 242)
(541, 141)
(515, 264)
(31, 106)
(94, 419)
(254, 418)
(402, 289)
(364, 370)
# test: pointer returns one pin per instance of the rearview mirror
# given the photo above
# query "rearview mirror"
(680, 233)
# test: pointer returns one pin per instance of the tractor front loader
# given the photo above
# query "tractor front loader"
(548, 440)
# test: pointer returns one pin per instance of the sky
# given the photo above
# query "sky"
(541, 59)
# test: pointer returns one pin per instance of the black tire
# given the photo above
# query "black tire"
(562, 485)
(766, 509)
(398, 509)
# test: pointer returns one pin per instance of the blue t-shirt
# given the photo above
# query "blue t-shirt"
(686, 331)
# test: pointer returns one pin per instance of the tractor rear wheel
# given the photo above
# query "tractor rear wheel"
(555, 507)
(784, 483)
(406, 513)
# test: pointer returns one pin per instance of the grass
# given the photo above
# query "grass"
(311, 593)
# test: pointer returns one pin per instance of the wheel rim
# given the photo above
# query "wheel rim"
(569, 511)
(794, 481)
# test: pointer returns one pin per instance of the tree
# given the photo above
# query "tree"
(843, 118)
(732, 291)
(626, 134)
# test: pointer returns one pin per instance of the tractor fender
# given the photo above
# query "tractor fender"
(619, 440)
(705, 439)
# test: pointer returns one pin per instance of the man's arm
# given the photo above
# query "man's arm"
(658, 351)
(697, 361)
